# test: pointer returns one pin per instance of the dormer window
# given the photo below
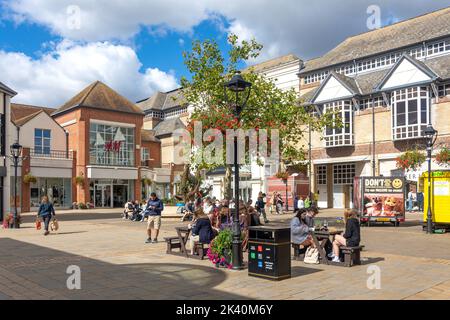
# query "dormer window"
(341, 133)
(410, 112)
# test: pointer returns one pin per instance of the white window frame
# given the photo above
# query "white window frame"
(342, 138)
(321, 175)
(344, 174)
(407, 95)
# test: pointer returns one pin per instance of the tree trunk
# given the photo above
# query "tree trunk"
(227, 183)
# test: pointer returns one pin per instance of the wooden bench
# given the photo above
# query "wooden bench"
(352, 255)
(172, 243)
(299, 251)
(200, 250)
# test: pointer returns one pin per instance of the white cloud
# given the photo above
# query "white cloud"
(306, 28)
(69, 67)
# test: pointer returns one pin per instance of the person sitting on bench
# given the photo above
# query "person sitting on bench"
(300, 230)
(202, 230)
(351, 237)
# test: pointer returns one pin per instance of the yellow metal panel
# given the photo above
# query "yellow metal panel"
(440, 196)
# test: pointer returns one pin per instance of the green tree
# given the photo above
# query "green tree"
(268, 107)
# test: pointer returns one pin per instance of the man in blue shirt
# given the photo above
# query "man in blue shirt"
(153, 211)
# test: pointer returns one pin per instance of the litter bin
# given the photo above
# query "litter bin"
(269, 254)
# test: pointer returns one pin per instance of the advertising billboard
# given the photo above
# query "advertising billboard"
(381, 198)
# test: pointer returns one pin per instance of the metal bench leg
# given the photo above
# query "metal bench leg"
(357, 257)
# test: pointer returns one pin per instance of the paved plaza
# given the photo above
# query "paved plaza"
(115, 263)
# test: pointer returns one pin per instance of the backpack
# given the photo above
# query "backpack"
(312, 256)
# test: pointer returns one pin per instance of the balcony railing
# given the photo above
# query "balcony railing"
(52, 154)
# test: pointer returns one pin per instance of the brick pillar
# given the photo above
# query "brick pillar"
(138, 186)
(24, 196)
(74, 174)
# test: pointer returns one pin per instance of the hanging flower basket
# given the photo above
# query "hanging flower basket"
(147, 181)
(79, 180)
(29, 178)
(282, 175)
(443, 157)
(410, 160)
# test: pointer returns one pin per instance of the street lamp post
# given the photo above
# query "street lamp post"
(16, 152)
(431, 135)
(241, 90)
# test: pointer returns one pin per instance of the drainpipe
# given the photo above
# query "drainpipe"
(373, 137)
(67, 144)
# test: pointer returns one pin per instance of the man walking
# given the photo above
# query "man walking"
(153, 210)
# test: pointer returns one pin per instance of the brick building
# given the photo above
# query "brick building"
(386, 85)
(46, 167)
(105, 131)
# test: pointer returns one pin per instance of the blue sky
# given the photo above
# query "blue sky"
(136, 46)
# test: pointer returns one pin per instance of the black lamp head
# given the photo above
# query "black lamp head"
(237, 83)
(16, 149)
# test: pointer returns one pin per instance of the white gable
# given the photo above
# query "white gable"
(333, 90)
(405, 74)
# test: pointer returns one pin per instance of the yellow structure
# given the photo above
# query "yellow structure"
(440, 196)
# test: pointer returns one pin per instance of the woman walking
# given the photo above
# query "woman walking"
(46, 212)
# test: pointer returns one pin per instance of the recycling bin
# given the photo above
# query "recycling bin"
(269, 254)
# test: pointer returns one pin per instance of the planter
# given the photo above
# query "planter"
(443, 157)
(28, 178)
(410, 160)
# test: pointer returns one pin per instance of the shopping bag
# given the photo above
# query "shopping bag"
(311, 256)
(38, 224)
(54, 225)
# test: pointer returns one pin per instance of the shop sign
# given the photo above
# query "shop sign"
(113, 146)
(413, 175)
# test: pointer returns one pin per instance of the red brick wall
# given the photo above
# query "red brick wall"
(79, 141)
(25, 187)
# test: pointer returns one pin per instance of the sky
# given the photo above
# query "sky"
(51, 49)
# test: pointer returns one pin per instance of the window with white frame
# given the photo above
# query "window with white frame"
(367, 103)
(42, 141)
(145, 155)
(341, 132)
(410, 112)
(321, 175)
(344, 173)
(444, 90)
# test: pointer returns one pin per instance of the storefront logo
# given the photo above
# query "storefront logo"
(113, 146)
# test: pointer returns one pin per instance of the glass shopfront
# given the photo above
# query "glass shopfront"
(58, 191)
(111, 145)
(110, 192)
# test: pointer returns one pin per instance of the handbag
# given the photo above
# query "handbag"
(312, 256)
(54, 225)
(38, 224)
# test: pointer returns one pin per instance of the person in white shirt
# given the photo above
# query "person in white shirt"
(301, 203)
(207, 206)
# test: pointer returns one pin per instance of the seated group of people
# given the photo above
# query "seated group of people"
(210, 218)
(303, 223)
(134, 211)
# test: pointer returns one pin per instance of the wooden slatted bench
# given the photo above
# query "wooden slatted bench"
(200, 250)
(299, 251)
(352, 255)
(172, 243)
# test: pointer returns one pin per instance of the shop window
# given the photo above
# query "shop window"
(410, 112)
(111, 145)
(343, 174)
(42, 138)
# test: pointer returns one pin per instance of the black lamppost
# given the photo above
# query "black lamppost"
(431, 136)
(16, 153)
(241, 90)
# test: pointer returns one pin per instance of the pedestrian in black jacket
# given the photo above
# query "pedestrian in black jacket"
(202, 230)
(351, 237)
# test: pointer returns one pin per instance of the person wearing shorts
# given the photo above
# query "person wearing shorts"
(153, 211)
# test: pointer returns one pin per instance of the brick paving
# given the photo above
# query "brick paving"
(115, 263)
